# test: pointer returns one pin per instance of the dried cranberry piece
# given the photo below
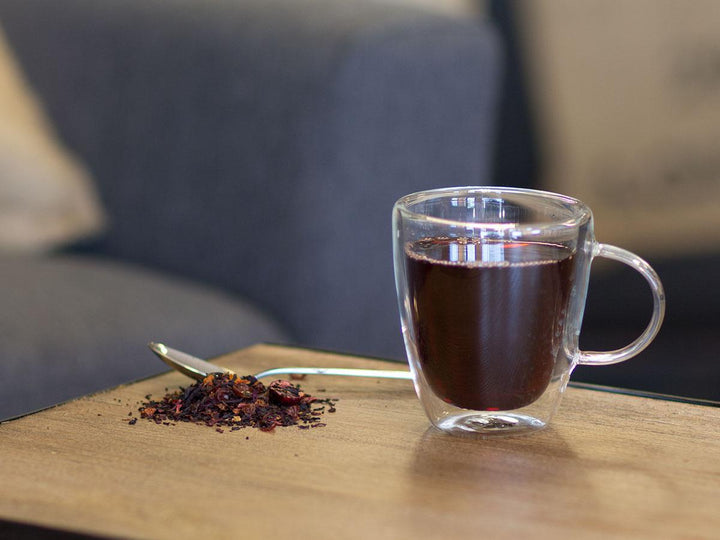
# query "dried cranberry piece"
(284, 393)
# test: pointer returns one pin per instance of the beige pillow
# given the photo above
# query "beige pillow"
(46, 197)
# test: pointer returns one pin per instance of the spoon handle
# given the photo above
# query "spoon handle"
(342, 372)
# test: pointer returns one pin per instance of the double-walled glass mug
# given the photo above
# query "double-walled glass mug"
(491, 284)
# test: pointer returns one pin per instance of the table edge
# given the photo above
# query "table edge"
(571, 384)
(22, 529)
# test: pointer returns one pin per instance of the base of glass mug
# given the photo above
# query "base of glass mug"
(489, 424)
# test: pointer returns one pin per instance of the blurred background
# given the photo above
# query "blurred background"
(218, 174)
(616, 103)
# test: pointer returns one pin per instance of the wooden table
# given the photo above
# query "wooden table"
(611, 466)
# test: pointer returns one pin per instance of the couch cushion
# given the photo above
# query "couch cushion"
(306, 123)
(72, 325)
(46, 197)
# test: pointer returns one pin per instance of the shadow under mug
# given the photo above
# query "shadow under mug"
(491, 285)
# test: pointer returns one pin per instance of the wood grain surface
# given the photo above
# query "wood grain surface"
(610, 466)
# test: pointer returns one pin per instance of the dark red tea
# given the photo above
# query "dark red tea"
(488, 317)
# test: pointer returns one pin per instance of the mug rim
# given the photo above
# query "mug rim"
(581, 213)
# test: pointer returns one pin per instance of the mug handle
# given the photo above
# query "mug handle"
(619, 355)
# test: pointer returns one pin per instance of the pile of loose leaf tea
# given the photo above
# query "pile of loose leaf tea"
(224, 400)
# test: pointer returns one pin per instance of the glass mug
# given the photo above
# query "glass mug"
(491, 285)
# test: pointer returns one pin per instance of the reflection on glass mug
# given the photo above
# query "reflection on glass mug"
(491, 284)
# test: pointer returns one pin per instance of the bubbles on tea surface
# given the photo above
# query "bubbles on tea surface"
(466, 251)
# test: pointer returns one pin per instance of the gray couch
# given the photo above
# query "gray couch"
(248, 153)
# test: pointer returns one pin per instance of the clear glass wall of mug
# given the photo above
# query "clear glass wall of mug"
(491, 286)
